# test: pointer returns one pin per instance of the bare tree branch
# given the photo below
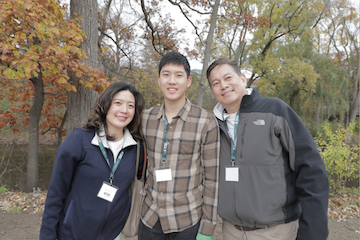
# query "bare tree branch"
(151, 26)
(115, 42)
(184, 14)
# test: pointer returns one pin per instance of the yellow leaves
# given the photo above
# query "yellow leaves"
(30, 67)
(20, 73)
(62, 80)
(89, 84)
(72, 88)
(40, 40)
(16, 53)
(46, 73)
(10, 73)
(7, 6)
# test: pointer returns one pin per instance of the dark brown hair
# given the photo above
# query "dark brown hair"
(97, 116)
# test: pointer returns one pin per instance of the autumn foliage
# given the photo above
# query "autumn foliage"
(38, 40)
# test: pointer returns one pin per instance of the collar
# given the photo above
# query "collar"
(182, 114)
(219, 108)
(128, 139)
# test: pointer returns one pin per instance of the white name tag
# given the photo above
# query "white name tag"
(231, 174)
(163, 175)
(107, 192)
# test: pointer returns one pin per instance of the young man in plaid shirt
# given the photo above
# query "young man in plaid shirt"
(183, 156)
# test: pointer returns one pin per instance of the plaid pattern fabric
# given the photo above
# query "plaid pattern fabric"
(193, 156)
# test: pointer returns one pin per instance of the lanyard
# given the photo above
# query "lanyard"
(116, 165)
(166, 141)
(236, 125)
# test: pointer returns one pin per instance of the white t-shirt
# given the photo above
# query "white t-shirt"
(230, 122)
(116, 147)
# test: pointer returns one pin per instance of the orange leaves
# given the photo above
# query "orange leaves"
(26, 202)
(344, 207)
(38, 40)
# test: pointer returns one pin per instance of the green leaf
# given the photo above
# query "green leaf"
(46, 73)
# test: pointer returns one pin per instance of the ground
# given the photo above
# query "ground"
(21, 226)
(20, 216)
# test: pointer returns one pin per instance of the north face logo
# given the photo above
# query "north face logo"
(259, 122)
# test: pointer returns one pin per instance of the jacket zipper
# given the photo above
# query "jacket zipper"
(107, 215)
(242, 140)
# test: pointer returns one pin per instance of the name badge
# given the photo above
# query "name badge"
(163, 175)
(231, 173)
(107, 192)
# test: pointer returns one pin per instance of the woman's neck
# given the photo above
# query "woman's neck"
(118, 134)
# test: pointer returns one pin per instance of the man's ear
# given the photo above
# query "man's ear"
(243, 78)
(158, 80)
(189, 81)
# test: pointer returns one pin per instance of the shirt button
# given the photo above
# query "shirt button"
(161, 193)
(170, 126)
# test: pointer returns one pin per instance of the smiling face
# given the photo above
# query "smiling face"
(173, 82)
(227, 86)
(120, 113)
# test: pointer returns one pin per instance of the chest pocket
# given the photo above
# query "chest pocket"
(257, 142)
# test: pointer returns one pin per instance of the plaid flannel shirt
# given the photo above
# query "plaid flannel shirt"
(193, 156)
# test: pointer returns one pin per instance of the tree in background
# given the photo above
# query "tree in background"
(337, 36)
(291, 49)
(38, 45)
(118, 39)
(163, 33)
(83, 99)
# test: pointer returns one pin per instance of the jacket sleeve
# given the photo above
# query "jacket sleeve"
(311, 180)
(66, 160)
(210, 163)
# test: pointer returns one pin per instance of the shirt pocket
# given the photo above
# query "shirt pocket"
(68, 213)
(184, 149)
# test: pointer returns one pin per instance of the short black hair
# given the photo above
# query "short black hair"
(176, 59)
(222, 61)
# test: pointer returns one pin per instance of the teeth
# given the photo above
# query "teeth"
(226, 93)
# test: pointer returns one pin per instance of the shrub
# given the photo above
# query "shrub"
(3, 189)
(340, 158)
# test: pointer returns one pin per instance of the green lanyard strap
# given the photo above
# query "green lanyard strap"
(166, 140)
(116, 164)
(236, 125)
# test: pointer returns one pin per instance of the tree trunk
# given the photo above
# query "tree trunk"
(59, 131)
(354, 106)
(80, 102)
(354, 110)
(208, 49)
(317, 115)
(32, 173)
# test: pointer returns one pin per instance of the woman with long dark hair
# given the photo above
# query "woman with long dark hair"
(88, 197)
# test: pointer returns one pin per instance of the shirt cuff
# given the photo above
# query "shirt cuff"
(206, 228)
